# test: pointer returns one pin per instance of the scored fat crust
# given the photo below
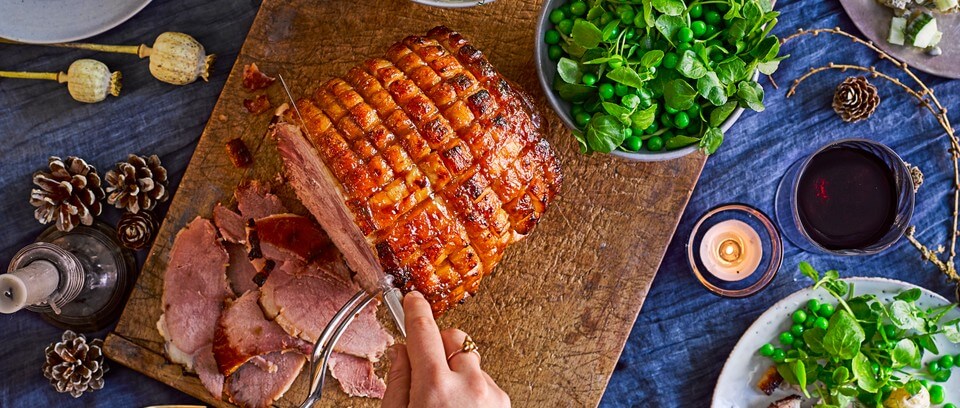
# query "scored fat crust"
(438, 161)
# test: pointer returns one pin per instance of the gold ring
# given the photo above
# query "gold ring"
(469, 346)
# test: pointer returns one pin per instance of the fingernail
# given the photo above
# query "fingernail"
(414, 293)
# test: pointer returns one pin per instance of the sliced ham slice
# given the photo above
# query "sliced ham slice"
(230, 224)
(254, 200)
(240, 272)
(194, 289)
(356, 376)
(288, 236)
(256, 387)
(303, 298)
(243, 333)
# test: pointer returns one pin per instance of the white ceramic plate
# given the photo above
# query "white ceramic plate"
(736, 386)
(52, 21)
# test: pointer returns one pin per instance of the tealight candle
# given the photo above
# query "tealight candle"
(731, 250)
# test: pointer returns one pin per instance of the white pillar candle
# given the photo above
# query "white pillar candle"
(27, 286)
(731, 250)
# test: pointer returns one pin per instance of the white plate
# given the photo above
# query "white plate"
(736, 386)
(52, 21)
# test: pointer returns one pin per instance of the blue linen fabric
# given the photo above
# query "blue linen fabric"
(39, 119)
(684, 334)
(688, 330)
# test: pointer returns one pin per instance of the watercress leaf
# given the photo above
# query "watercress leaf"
(765, 5)
(573, 92)
(573, 49)
(651, 58)
(806, 269)
(604, 133)
(731, 70)
(691, 66)
(800, 373)
(581, 141)
(736, 29)
(643, 118)
(669, 7)
(608, 30)
(720, 114)
(569, 70)
(814, 339)
(864, 373)
(679, 94)
(668, 26)
(711, 141)
(927, 342)
(910, 295)
(626, 76)
(601, 60)
(619, 112)
(586, 35)
(840, 375)
(679, 141)
(905, 354)
(751, 95)
(733, 12)
(595, 12)
(767, 49)
(952, 333)
(787, 373)
(648, 13)
(710, 87)
(844, 336)
(769, 67)
(902, 316)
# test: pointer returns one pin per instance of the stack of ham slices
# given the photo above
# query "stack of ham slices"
(247, 294)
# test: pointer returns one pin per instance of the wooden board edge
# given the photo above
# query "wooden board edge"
(134, 356)
(662, 254)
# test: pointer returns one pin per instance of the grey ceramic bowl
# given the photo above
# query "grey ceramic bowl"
(547, 70)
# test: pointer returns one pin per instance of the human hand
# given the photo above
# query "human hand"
(424, 378)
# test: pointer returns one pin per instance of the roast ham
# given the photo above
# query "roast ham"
(424, 165)
(194, 289)
(259, 385)
(356, 376)
(303, 298)
(240, 271)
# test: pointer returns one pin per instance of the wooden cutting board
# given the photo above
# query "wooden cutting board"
(553, 318)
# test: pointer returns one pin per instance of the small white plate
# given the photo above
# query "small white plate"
(737, 385)
(53, 21)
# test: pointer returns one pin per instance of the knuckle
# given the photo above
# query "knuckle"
(421, 323)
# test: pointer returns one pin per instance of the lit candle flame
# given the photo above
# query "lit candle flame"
(730, 250)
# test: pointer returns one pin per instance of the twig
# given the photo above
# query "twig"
(926, 99)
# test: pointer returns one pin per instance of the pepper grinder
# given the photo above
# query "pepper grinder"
(77, 280)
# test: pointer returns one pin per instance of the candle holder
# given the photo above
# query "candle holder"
(734, 250)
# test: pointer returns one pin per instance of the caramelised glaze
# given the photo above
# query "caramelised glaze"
(438, 158)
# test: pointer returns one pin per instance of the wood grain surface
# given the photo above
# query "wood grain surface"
(553, 318)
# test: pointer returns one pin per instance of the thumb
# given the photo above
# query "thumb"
(398, 379)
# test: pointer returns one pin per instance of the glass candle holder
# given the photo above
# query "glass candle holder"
(849, 197)
(734, 250)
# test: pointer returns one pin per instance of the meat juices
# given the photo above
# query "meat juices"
(425, 165)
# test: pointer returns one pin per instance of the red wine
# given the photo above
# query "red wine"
(847, 198)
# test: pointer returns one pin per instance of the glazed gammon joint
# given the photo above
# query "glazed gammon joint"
(425, 164)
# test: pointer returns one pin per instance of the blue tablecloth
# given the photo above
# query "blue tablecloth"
(689, 331)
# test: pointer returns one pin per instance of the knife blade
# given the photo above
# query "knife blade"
(392, 296)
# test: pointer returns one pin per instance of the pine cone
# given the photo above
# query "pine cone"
(75, 366)
(137, 184)
(136, 231)
(855, 99)
(70, 193)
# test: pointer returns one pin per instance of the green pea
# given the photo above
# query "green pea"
(627, 15)
(606, 17)
(551, 37)
(808, 324)
(716, 56)
(666, 120)
(699, 28)
(606, 91)
(565, 26)
(712, 17)
(684, 35)
(632, 143)
(578, 8)
(655, 144)
(621, 90)
(696, 11)
(890, 331)
(638, 21)
(589, 79)
(942, 376)
(556, 16)
(694, 112)
(651, 129)
(766, 350)
(670, 109)
(934, 367)
(786, 338)
(946, 362)
(826, 310)
(645, 102)
(936, 395)
(670, 60)
(575, 109)
(821, 323)
(683, 46)
(710, 31)
(615, 31)
(582, 119)
(667, 135)
(813, 305)
(798, 343)
(630, 33)
(949, 405)
(627, 132)
(681, 120)
(796, 330)
(555, 52)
